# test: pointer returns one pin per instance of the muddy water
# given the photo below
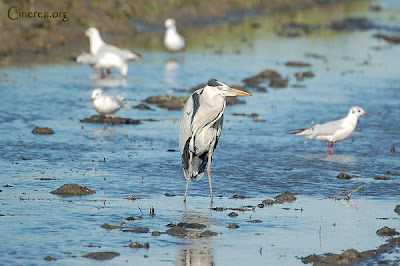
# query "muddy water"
(258, 159)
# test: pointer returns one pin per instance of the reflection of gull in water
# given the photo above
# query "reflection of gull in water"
(171, 66)
(335, 158)
(109, 81)
(199, 252)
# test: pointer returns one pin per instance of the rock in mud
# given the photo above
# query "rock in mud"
(101, 255)
(192, 225)
(233, 214)
(392, 173)
(49, 258)
(285, 197)
(168, 102)
(208, 233)
(142, 106)
(344, 176)
(297, 64)
(386, 231)
(392, 39)
(117, 120)
(138, 245)
(233, 226)
(382, 178)
(352, 23)
(300, 76)
(110, 227)
(70, 190)
(177, 231)
(397, 209)
(42, 131)
(255, 221)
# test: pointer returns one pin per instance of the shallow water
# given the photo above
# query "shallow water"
(257, 159)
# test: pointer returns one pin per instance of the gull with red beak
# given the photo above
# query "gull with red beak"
(200, 129)
(333, 131)
(105, 104)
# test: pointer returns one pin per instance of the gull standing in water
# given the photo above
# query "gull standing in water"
(173, 41)
(200, 129)
(333, 131)
(105, 104)
(103, 60)
(110, 55)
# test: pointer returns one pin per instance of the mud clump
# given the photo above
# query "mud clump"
(70, 190)
(142, 106)
(275, 80)
(268, 202)
(192, 225)
(285, 197)
(382, 178)
(392, 173)
(208, 233)
(237, 196)
(300, 76)
(352, 23)
(352, 256)
(344, 176)
(233, 214)
(233, 226)
(294, 29)
(397, 209)
(297, 64)
(177, 231)
(138, 245)
(168, 102)
(139, 230)
(42, 131)
(101, 255)
(117, 120)
(392, 39)
(386, 231)
(155, 233)
(49, 258)
(110, 227)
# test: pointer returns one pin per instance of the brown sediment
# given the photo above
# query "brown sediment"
(101, 255)
(44, 39)
(285, 197)
(42, 131)
(112, 121)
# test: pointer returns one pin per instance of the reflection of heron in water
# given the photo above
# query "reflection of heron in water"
(199, 252)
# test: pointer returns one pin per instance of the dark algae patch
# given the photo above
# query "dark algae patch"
(138, 245)
(285, 197)
(397, 209)
(70, 190)
(101, 255)
(386, 231)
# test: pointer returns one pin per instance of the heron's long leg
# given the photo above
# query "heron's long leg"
(209, 174)
(189, 174)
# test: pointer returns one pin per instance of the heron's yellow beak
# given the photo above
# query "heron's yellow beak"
(237, 92)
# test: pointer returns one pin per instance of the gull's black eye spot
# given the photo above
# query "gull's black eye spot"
(359, 111)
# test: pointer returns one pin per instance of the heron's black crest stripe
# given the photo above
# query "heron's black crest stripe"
(196, 104)
(213, 83)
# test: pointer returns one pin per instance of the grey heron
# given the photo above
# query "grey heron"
(200, 128)
(333, 131)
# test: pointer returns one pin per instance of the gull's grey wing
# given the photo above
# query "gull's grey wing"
(125, 54)
(327, 129)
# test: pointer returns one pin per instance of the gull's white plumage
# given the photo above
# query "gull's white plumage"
(105, 104)
(333, 131)
(173, 41)
(104, 60)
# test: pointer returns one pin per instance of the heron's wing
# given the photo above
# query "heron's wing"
(218, 125)
(185, 129)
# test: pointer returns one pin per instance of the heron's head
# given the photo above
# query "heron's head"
(169, 23)
(358, 111)
(91, 32)
(96, 93)
(218, 87)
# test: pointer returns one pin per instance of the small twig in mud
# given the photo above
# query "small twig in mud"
(140, 210)
(357, 188)
(152, 213)
(338, 194)
(320, 227)
(142, 179)
(260, 250)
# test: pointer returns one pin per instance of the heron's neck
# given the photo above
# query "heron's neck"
(95, 43)
(215, 101)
